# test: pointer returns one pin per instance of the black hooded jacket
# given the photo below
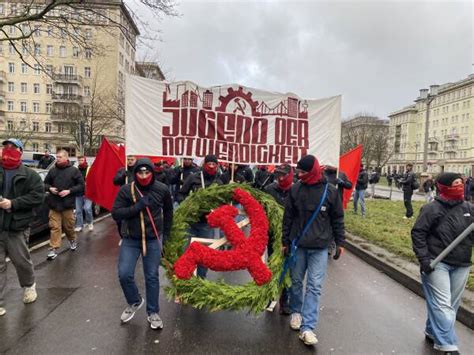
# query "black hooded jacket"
(263, 178)
(123, 176)
(64, 178)
(332, 179)
(194, 182)
(128, 212)
(362, 180)
(438, 224)
(243, 174)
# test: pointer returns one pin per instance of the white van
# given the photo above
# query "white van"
(32, 159)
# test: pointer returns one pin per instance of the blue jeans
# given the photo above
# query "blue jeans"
(443, 290)
(315, 262)
(359, 196)
(202, 230)
(130, 250)
(83, 203)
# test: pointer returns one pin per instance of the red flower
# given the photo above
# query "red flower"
(246, 253)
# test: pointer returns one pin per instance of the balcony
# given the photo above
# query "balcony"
(67, 98)
(3, 77)
(433, 140)
(67, 79)
(432, 153)
(451, 149)
(451, 137)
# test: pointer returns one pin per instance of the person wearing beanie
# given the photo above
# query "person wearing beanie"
(437, 226)
(242, 174)
(181, 173)
(145, 210)
(409, 184)
(359, 193)
(208, 176)
(63, 182)
(83, 204)
(22, 191)
(263, 177)
(160, 173)
(311, 252)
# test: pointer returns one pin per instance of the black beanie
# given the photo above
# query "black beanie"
(283, 169)
(447, 179)
(306, 163)
(210, 159)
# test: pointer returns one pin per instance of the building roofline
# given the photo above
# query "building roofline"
(405, 109)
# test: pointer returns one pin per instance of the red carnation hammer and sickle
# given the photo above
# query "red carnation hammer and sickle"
(246, 252)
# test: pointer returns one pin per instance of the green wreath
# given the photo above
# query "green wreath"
(218, 295)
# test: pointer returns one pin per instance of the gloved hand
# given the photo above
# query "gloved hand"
(339, 252)
(143, 202)
(425, 266)
(339, 181)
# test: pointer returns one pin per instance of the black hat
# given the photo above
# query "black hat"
(447, 179)
(210, 159)
(306, 163)
(283, 169)
(142, 165)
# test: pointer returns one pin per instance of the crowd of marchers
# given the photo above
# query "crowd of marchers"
(312, 228)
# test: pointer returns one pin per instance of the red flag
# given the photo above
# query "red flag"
(99, 182)
(349, 163)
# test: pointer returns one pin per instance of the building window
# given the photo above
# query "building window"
(37, 49)
(88, 53)
(62, 51)
(10, 106)
(2, 9)
(47, 127)
(36, 88)
(50, 31)
(35, 126)
(11, 86)
(37, 69)
(61, 128)
(75, 52)
(24, 88)
(37, 31)
(23, 106)
(10, 125)
(49, 89)
(11, 49)
(24, 68)
(11, 68)
(87, 72)
(36, 107)
(49, 50)
(49, 107)
(87, 91)
(88, 33)
(49, 69)
(35, 146)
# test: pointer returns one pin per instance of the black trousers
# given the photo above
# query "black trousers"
(407, 201)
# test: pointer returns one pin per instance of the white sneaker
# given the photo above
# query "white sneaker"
(77, 229)
(2, 311)
(295, 321)
(308, 337)
(51, 254)
(29, 294)
(155, 321)
(90, 227)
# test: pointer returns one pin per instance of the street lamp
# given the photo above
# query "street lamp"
(427, 97)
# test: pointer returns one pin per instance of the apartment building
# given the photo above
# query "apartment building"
(450, 138)
(69, 84)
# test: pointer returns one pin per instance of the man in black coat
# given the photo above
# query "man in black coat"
(407, 182)
(45, 160)
(437, 226)
(22, 190)
(359, 193)
(263, 177)
(145, 210)
(311, 254)
(125, 176)
(181, 173)
(242, 174)
(63, 182)
(340, 181)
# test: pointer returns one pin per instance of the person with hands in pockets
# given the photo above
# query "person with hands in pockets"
(145, 210)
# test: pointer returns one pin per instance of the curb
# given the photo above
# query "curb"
(464, 315)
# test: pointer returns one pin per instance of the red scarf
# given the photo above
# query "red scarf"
(158, 168)
(83, 166)
(144, 181)
(210, 170)
(62, 164)
(286, 181)
(312, 177)
(11, 158)
(451, 193)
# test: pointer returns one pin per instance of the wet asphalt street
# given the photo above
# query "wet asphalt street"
(80, 302)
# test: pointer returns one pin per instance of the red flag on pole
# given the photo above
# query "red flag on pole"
(99, 182)
(349, 163)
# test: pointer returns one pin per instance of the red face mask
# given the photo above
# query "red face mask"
(11, 158)
(144, 181)
(211, 170)
(451, 193)
(285, 182)
(313, 176)
(158, 168)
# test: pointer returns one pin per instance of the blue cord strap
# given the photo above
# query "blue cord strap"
(290, 260)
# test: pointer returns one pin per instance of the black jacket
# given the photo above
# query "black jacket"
(26, 193)
(123, 176)
(194, 182)
(126, 211)
(45, 161)
(162, 177)
(331, 178)
(278, 194)
(438, 224)
(242, 174)
(263, 178)
(362, 180)
(428, 185)
(407, 181)
(67, 178)
(302, 201)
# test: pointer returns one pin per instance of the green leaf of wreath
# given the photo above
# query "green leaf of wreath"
(217, 295)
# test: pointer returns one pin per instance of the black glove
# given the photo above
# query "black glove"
(339, 181)
(339, 252)
(143, 202)
(425, 266)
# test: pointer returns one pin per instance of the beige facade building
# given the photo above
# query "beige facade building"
(450, 130)
(78, 84)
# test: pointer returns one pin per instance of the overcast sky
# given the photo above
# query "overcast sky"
(376, 54)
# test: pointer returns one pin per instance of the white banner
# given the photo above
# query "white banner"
(236, 123)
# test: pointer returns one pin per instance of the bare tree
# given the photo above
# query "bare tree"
(22, 130)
